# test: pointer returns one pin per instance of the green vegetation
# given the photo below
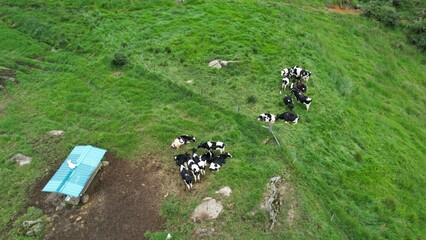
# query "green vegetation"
(114, 74)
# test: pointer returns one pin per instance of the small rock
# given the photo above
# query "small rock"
(30, 223)
(85, 198)
(190, 81)
(56, 132)
(53, 49)
(225, 191)
(209, 209)
(215, 64)
(169, 236)
(203, 232)
(105, 163)
(21, 159)
(78, 218)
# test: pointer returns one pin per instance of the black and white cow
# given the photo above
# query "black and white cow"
(219, 161)
(300, 73)
(182, 159)
(207, 157)
(301, 98)
(197, 160)
(266, 117)
(286, 72)
(182, 140)
(288, 117)
(285, 81)
(194, 169)
(212, 146)
(185, 177)
(288, 102)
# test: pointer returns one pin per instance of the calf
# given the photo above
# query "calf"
(288, 117)
(212, 146)
(266, 117)
(288, 102)
(219, 161)
(300, 73)
(197, 160)
(185, 176)
(182, 140)
(182, 159)
(194, 169)
(301, 98)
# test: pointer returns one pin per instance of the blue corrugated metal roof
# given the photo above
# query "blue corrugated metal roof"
(71, 181)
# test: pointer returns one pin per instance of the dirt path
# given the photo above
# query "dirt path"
(124, 203)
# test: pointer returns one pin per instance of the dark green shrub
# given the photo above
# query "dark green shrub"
(119, 60)
(382, 13)
(251, 99)
(416, 34)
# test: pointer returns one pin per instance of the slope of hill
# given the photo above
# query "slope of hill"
(354, 163)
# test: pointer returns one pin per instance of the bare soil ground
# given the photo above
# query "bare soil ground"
(124, 202)
(337, 8)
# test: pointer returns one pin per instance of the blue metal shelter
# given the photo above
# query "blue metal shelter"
(77, 170)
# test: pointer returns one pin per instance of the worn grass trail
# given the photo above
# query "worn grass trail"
(355, 159)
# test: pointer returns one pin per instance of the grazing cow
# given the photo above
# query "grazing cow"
(197, 160)
(207, 157)
(288, 102)
(266, 117)
(185, 176)
(301, 98)
(194, 169)
(182, 159)
(288, 117)
(182, 140)
(284, 83)
(219, 161)
(212, 146)
(300, 73)
(301, 86)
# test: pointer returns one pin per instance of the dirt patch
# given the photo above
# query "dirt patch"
(124, 203)
(337, 8)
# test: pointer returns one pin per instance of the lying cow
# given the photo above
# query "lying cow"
(182, 140)
(266, 117)
(288, 117)
(212, 146)
(219, 161)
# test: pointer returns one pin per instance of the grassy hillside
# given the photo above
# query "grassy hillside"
(355, 160)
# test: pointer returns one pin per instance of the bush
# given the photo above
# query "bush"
(251, 99)
(119, 60)
(384, 14)
(416, 34)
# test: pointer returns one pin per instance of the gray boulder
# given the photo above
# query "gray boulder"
(209, 209)
(21, 159)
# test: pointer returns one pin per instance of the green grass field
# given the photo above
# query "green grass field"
(356, 160)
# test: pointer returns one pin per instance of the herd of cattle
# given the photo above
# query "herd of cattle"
(196, 164)
(298, 87)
